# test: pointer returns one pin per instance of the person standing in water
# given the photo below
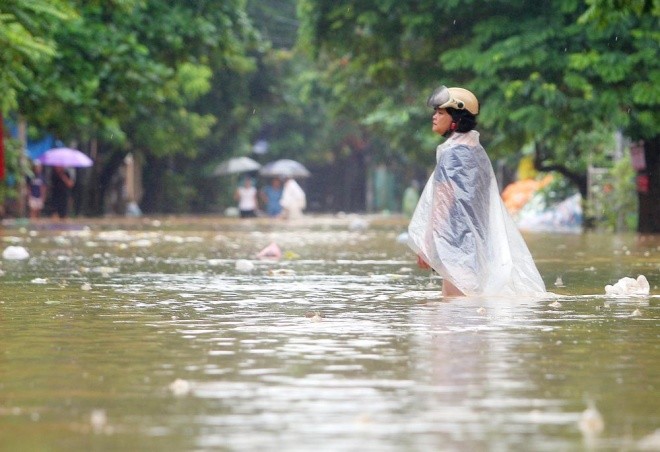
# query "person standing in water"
(246, 195)
(271, 195)
(61, 185)
(293, 200)
(460, 227)
(37, 190)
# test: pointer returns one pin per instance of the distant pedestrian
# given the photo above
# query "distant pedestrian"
(37, 190)
(293, 201)
(246, 195)
(270, 196)
(61, 184)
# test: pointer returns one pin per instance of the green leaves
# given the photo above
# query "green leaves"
(543, 72)
(25, 42)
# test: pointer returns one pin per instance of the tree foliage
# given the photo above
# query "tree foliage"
(183, 85)
(133, 75)
(25, 42)
(560, 76)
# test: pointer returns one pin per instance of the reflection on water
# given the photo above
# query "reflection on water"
(145, 336)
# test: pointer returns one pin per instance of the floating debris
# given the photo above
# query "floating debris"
(402, 238)
(629, 286)
(281, 272)
(104, 270)
(314, 316)
(272, 251)
(141, 243)
(98, 420)
(591, 422)
(555, 304)
(636, 313)
(180, 387)
(16, 253)
(291, 255)
(559, 282)
(481, 311)
(39, 281)
(86, 286)
(244, 266)
(358, 224)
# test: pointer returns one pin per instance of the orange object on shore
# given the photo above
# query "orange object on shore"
(517, 194)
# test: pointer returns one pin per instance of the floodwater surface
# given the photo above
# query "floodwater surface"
(169, 334)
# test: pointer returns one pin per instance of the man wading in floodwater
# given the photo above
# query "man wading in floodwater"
(460, 227)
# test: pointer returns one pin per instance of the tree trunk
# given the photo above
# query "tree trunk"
(23, 163)
(649, 190)
(2, 149)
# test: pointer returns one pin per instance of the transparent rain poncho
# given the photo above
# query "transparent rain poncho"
(461, 227)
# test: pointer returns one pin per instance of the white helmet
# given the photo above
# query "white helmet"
(458, 98)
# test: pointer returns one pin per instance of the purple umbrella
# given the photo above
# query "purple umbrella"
(65, 157)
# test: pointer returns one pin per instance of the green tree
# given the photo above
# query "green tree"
(25, 42)
(129, 75)
(214, 39)
(640, 87)
(546, 77)
(25, 45)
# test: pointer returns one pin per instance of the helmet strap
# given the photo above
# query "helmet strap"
(452, 127)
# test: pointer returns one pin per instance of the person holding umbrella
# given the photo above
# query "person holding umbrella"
(293, 200)
(271, 195)
(61, 184)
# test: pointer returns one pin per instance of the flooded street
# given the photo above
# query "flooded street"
(168, 334)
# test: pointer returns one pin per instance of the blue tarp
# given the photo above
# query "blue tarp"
(35, 148)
